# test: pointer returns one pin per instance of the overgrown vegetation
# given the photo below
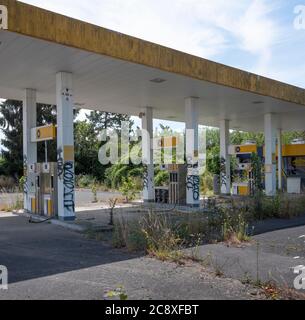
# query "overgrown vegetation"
(87, 167)
(281, 206)
(164, 234)
(7, 184)
(129, 189)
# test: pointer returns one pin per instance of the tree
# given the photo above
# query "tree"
(11, 126)
(98, 121)
(46, 115)
(105, 120)
(12, 129)
(86, 150)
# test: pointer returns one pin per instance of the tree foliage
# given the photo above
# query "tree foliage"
(11, 127)
(105, 120)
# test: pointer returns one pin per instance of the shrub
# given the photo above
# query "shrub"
(128, 189)
(94, 192)
(7, 184)
(162, 178)
(159, 233)
(21, 183)
(128, 235)
(281, 206)
(84, 181)
(207, 183)
(16, 204)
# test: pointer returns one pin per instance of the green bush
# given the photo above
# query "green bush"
(128, 235)
(207, 183)
(128, 189)
(280, 206)
(161, 178)
(85, 181)
(136, 240)
(7, 184)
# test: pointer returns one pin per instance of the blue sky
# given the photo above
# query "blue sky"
(254, 35)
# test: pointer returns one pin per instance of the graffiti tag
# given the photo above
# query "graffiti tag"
(193, 180)
(60, 163)
(68, 176)
(223, 173)
(145, 177)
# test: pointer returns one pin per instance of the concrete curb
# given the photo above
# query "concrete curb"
(67, 225)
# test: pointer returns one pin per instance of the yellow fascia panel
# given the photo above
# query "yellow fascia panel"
(169, 142)
(33, 205)
(68, 153)
(294, 150)
(248, 149)
(46, 133)
(243, 190)
(244, 149)
(50, 208)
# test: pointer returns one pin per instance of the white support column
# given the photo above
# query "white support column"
(225, 165)
(147, 155)
(192, 152)
(29, 149)
(65, 147)
(280, 159)
(270, 154)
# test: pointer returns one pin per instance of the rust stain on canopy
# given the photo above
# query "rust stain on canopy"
(42, 24)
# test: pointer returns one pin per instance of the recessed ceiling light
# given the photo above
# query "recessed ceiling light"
(258, 102)
(157, 80)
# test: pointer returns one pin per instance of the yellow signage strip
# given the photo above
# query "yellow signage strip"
(43, 133)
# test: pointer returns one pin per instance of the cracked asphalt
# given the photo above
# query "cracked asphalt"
(48, 262)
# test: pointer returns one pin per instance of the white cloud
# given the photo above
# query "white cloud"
(159, 21)
(200, 27)
(259, 33)
(249, 23)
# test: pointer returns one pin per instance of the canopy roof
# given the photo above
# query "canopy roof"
(118, 73)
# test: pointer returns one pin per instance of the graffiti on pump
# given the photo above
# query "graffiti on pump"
(3, 278)
(60, 163)
(65, 172)
(25, 174)
(145, 177)
(193, 184)
(193, 180)
(3, 17)
(68, 175)
(223, 173)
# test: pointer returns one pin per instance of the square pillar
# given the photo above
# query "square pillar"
(225, 165)
(147, 155)
(280, 159)
(192, 152)
(270, 154)
(65, 147)
(29, 111)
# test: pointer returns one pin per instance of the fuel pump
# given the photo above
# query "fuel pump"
(175, 192)
(44, 202)
(294, 166)
(48, 194)
(243, 181)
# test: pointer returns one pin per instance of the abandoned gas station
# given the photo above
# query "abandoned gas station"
(53, 59)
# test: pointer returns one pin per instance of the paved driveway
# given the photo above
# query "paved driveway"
(83, 197)
(48, 262)
(270, 256)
